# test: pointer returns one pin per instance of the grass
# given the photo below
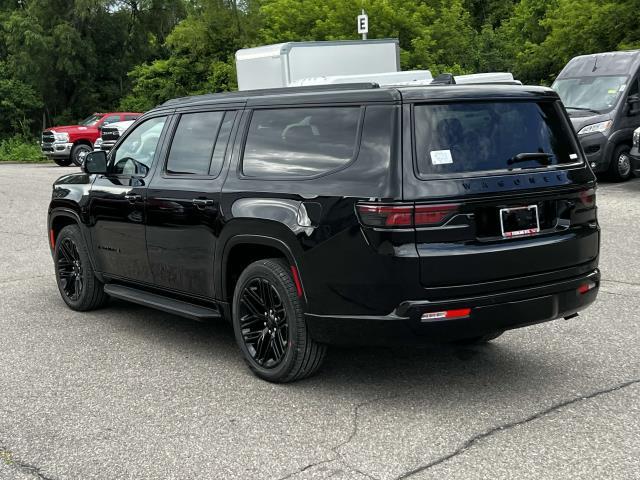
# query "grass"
(20, 149)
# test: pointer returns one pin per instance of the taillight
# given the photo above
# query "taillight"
(588, 197)
(432, 214)
(386, 215)
(402, 215)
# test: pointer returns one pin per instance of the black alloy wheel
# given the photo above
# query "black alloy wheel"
(79, 287)
(263, 322)
(69, 269)
(269, 324)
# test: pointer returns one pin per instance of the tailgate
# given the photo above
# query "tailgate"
(471, 247)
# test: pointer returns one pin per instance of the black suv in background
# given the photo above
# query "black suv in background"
(337, 215)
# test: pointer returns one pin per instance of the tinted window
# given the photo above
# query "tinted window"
(130, 117)
(475, 137)
(136, 152)
(300, 141)
(193, 142)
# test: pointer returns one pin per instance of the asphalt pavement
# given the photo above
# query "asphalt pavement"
(132, 393)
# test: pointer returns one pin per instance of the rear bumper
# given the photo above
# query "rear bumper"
(490, 313)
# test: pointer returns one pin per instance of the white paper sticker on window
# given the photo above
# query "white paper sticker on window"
(623, 87)
(441, 157)
(573, 156)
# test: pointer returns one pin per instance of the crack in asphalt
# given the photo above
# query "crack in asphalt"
(620, 281)
(355, 414)
(25, 234)
(507, 426)
(6, 456)
(12, 280)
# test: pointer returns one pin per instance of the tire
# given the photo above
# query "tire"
(620, 166)
(77, 283)
(62, 162)
(290, 353)
(78, 153)
(479, 340)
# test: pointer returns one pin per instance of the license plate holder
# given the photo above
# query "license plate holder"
(519, 221)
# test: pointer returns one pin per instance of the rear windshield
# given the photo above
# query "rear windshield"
(486, 136)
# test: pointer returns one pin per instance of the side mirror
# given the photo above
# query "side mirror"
(95, 162)
(633, 102)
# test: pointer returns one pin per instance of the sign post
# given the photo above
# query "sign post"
(363, 24)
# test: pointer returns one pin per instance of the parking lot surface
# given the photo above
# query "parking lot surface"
(132, 393)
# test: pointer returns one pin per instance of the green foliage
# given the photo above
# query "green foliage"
(63, 59)
(20, 149)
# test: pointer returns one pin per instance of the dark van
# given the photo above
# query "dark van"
(600, 93)
(344, 214)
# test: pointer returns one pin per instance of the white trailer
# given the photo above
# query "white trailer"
(283, 64)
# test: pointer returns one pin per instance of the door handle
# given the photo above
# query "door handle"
(132, 197)
(202, 203)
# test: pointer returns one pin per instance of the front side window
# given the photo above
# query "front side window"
(300, 142)
(192, 147)
(135, 154)
(591, 94)
(475, 137)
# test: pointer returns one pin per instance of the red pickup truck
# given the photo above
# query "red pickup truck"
(69, 144)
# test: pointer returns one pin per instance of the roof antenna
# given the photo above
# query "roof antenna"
(595, 65)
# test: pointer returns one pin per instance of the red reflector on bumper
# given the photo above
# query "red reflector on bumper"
(585, 287)
(446, 314)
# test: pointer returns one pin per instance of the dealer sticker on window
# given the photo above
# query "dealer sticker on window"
(441, 157)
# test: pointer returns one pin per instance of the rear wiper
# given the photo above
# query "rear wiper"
(543, 158)
(584, 109)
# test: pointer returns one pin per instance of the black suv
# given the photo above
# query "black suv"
(337, 215)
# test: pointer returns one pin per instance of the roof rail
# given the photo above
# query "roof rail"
(272, 91)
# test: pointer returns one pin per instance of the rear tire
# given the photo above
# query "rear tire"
(78, 152)
(269, 324)
(62, 162)
(77, 283)
(620, 165)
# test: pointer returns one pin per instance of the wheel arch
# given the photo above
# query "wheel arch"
(83, 141)
(241, 250)
(60, 217)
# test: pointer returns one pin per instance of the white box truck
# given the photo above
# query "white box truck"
(282, 64)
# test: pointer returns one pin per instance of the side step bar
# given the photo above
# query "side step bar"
(169, 305)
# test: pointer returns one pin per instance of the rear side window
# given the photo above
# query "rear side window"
(485, 136)
(300, 142)
(130, 117)
(193, 143)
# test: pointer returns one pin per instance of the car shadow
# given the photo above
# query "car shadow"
(380, 371)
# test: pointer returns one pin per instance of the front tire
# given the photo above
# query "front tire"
(62, 162)
(78, 152)
(77, 283)
(620, 165)
(269, 325)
